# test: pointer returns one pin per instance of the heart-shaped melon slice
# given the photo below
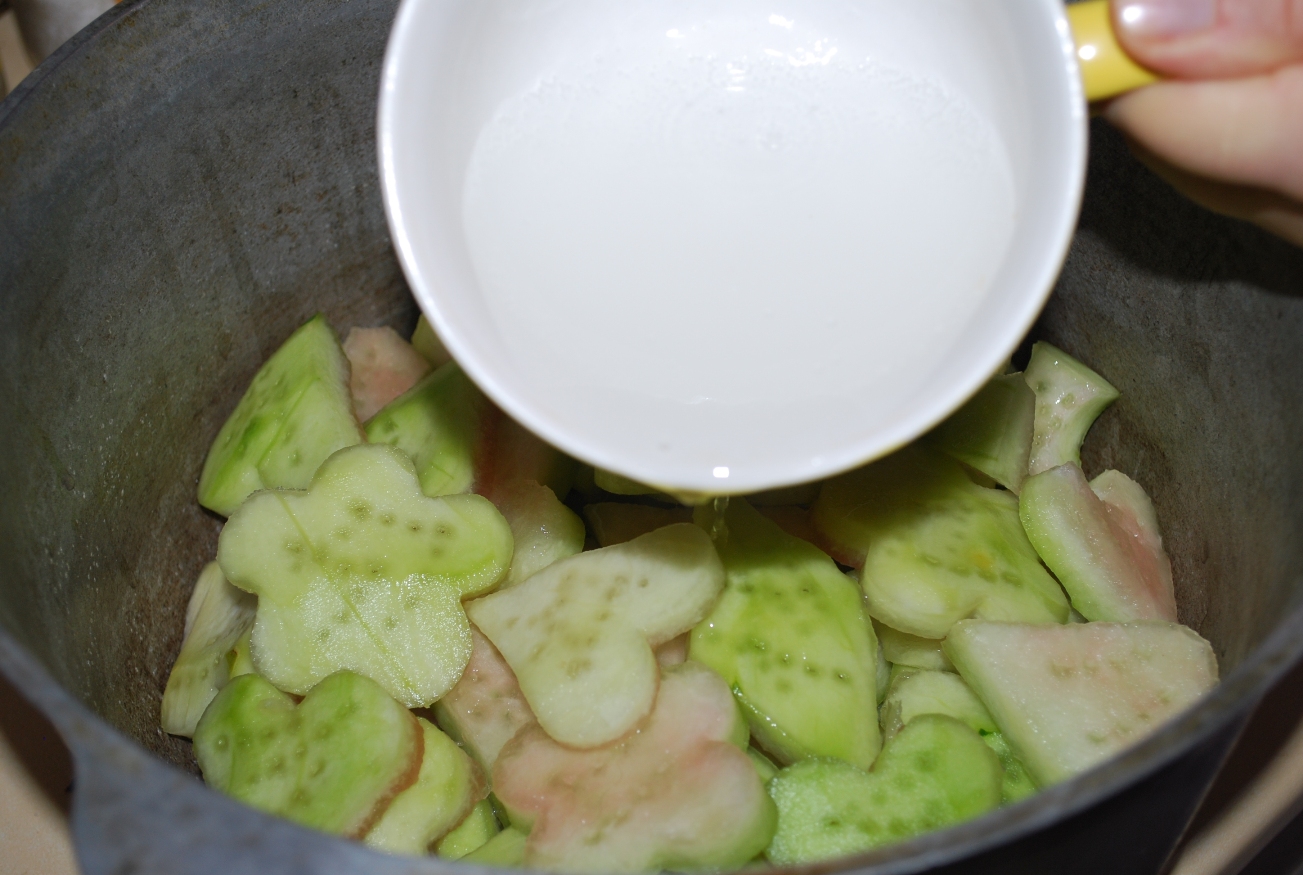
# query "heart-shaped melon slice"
(934, 773)
(680, 793)
(364, 572)
(579, 634)
(332, 762)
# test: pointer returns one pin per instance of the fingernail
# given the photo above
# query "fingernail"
(1166, 18)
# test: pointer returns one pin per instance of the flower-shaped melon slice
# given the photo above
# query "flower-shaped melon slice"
(579, 634)
(680, 793)
(364, 572)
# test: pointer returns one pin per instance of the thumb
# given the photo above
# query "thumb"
(1211, 39)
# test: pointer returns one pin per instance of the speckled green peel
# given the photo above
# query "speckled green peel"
(448, 786)
(1068, 697)
(437, 423)
(332, 762)
(791, 638)
(993, 431)
(364, 572)
(471, 834)
(1069, 398)
(221, 615)
(937, 547)
(935, 773)
(295, 413)
(579, 634)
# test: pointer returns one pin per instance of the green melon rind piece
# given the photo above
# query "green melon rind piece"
(220, 616)
(364, 572)
(937, 547)
(1068, 697)
(579, 634)
(1017, 784)
(296, 412)
(240, 659)
(448, 786)
(765, 767)
(477, 828)
(791, 638)
(1069, 398)
(437, 423)
(428, 344)
(486, 707)
(506, 850)
(993, 431)
(618, 484)
(935, 773)
(902, 648)
(1108, 573)
(331, 762)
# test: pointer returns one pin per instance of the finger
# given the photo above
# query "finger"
(1241, 131)
(1211, 39)
(1268, 210)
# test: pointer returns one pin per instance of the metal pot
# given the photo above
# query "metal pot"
(183, 184)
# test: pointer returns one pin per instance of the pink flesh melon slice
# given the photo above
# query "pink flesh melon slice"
(384, 366)
(486, 708)
(1068, 697)
(678, 793)
(1101, 540)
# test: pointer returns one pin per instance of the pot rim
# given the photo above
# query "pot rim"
(1234, 695)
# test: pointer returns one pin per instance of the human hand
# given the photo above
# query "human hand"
(1227, 128)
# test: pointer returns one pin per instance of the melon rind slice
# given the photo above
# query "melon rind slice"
(382, 367)
(476, 829)
(1069, 398)
(613, 522)
(332, 762)
(993, 431)
(1101, 540)
(678, 794)
(364, 572)
(579, 634)
(217, 616)
(486, 708)
(1068, 697)
(791, 637)
(936, 547)
(296, 412)
(902, 648)
(934, 773)
(544, 530)
(447, 787)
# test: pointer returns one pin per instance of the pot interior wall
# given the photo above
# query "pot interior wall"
(200, 179)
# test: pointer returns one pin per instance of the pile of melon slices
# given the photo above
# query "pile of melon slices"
(411, 637)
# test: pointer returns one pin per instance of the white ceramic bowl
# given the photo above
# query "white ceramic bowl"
(453, 65)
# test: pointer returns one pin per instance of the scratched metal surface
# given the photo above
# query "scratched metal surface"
(187, 182)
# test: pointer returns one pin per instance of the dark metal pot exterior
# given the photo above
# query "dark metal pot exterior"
(184, 184)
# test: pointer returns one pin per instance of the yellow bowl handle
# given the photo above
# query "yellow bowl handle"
(1106, 69)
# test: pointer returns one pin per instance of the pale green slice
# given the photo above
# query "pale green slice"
(1069, 398)
(923, 691)
(579, 634)
(791, 638)
(937, 548)
(993, 431)
(240, 658)
(217, 617)
(364, 572)
(1018, 783)
(332, 762)
(295, 413)
(472, 833)
(428, 344)
(447, 787)
(902, 648)
(544, 530)
(437, 422)
(506, 850)
(1068, 697)
(935, 773)
(1108, 556)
